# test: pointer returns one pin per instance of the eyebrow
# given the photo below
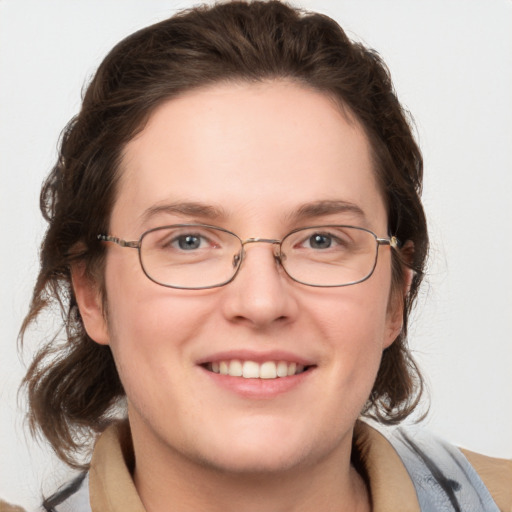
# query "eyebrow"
(190, 209)
(310, 210)
(326, 207)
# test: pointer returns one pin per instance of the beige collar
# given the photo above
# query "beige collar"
(391, 487)
(110, 482)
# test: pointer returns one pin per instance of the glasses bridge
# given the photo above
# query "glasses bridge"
(261, 240)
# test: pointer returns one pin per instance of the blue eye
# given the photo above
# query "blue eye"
(188, 242)
(181, 239)
(320, 241)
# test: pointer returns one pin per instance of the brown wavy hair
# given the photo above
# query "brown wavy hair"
(72, 383)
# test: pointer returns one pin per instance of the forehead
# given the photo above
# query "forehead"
(247, 150)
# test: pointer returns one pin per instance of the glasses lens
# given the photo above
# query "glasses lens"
(190, 256)
(329, 255)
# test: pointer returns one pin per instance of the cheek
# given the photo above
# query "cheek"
(357, 338)
(150, 343)
(356, 316)
(140, 311)
(354, 323)
(148, 324)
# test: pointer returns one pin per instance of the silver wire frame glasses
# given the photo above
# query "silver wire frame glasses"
(199, 256)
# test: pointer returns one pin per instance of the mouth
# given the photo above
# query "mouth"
(253, 370)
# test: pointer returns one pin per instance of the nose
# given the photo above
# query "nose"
(261, 294)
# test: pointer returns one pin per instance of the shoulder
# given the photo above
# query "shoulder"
(431, 459)
(443, 476)
(7, 507)
(496, 474)
(72, 497)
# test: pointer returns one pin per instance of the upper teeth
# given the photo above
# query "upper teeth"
(253, 370)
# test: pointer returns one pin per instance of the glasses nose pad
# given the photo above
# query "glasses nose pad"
(237, 259)
(279, 256)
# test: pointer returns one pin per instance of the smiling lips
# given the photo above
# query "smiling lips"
(254, 370)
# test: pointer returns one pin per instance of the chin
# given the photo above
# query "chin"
(261, 452)
(254, 462)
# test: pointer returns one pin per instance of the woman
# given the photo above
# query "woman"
(236, 238)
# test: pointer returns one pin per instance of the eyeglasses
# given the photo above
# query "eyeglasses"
(199, 256)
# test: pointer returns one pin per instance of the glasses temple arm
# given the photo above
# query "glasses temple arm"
(393, 242)
(118, 241)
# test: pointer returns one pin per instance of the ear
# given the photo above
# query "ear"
(394, 324)
(90, 304)
(397, 297)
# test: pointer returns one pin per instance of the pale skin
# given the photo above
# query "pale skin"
(255, 155)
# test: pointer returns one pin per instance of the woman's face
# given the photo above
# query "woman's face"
(259, 160)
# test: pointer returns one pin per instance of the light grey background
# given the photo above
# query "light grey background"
(452, 67)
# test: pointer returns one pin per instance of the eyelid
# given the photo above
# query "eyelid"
(333, 231)
(184, 231)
